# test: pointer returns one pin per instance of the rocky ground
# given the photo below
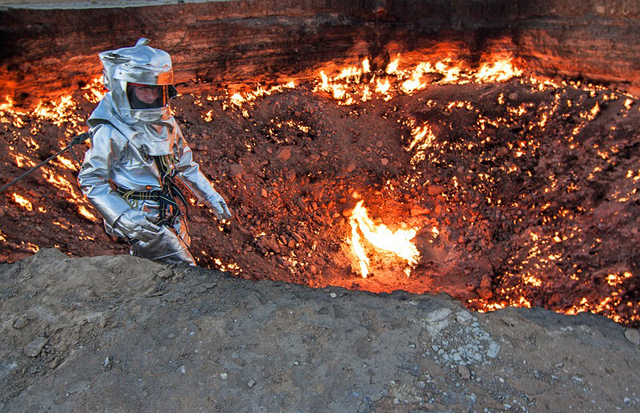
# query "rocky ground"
(121, 334)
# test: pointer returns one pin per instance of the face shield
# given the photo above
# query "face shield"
(139, 78)
(143, 96)
(140, 83)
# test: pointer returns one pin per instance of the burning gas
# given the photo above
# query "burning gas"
(355, 83)
(381, 238)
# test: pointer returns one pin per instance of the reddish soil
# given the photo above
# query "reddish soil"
(526, 196)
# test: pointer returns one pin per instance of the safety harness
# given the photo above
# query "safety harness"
(166, 197)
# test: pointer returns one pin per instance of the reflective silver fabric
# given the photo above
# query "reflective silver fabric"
(138, 64)
(123, 144)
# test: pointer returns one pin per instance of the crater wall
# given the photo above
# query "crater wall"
(47, 51)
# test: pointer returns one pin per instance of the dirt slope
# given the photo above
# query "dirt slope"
(121, 334)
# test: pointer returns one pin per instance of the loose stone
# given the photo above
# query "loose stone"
(34, 348)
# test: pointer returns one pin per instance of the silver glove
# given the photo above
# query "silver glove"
(219, 207)
(134, 224)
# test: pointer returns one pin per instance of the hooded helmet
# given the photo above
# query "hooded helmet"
(148, 124)
(138, 65)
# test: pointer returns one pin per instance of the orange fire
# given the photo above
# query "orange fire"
(380, 237)
(238, 98)
(22, 201)
(73, 194)
(347, 86)
(95, 90)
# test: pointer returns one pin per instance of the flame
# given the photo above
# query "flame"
(208, 117)
(21, 160)
(95, 90)
(238, 98)
(381, 237)
(423, 139)
(498, 71)
(7, 111)
(347, 88)
(63, 185)
(22, 201)
(616, 279)
(393, 67)
(31, 247)
(383, 86)
(82, 210)
(56, 112)
(66, 163)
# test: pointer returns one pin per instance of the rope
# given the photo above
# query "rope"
(76, 140)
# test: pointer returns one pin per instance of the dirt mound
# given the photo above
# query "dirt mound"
(123, 334)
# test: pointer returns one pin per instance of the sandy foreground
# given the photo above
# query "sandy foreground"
(122, 334)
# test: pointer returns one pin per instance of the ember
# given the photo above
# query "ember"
(496, 188)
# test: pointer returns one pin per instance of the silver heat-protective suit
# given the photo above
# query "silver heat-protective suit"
(126, 144)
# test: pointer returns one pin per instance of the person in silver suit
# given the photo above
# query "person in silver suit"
(137, 155)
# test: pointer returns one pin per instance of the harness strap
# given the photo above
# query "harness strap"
(169, 208)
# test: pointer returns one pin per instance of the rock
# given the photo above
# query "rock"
(284, 154)
(351, 167)
(494, 349)
(34, 348)
(235, 170)
(502, 151)
(464, 317)
(166, 273)
(485, 287)
(415, 211)
(434, 190)
(384, 161)
(21, 322)
(633, 336)
(251, 383)
(269, 243)
(464, 372)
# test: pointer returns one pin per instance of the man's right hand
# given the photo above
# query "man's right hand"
(134, 224)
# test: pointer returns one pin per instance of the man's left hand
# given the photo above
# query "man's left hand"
(219, 207)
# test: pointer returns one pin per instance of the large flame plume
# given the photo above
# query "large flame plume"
(380, 237)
